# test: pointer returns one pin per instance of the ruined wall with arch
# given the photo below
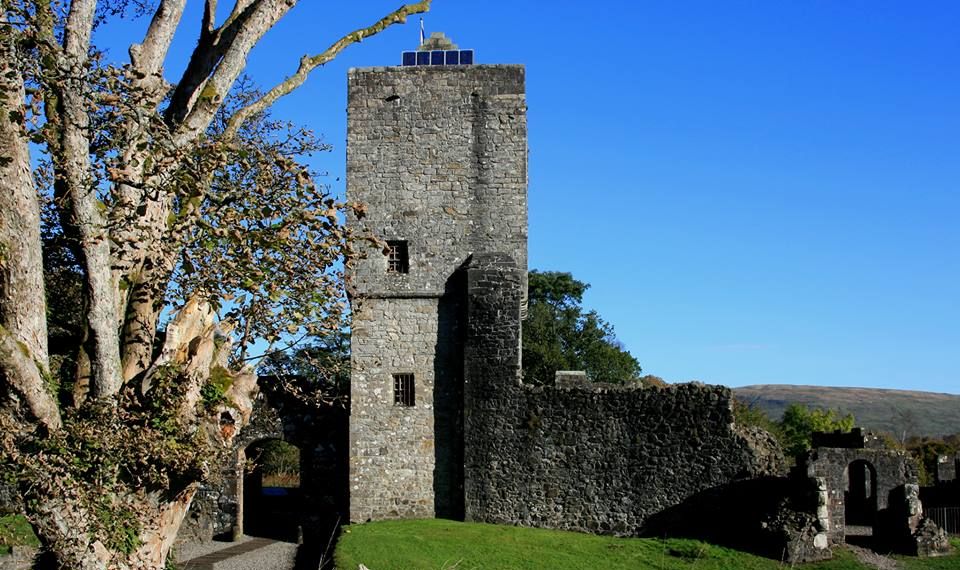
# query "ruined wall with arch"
(887, 477)
(320, 433)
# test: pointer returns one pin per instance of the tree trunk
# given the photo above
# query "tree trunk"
(75, 183)
(158, 541)
(23, 324)
(65, 530)
(70, 528)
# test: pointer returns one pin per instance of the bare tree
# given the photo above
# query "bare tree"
(184, 196)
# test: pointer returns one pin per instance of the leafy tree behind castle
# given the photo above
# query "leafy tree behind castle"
(560, 335)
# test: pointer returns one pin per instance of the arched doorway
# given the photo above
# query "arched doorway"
(860, 498)
(271, 493)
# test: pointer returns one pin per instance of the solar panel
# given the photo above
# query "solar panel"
(437, 57)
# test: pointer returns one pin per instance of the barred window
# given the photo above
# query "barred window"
(403, 392)
(398, 261)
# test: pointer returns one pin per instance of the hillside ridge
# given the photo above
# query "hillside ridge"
(902, 413)
(845, 389)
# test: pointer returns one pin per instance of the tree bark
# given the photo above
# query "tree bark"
(158, 539)
(66, 528)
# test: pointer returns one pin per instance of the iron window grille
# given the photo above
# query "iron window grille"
(403, 390)
(398, 260)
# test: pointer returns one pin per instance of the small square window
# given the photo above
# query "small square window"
(398, 261)
(403, 392)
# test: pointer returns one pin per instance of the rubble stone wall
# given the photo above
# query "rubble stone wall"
(392, 447)
(598, 459)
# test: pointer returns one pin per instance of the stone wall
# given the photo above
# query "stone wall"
(947, 468)
(392, 454)
(597, 459)
(438, 158)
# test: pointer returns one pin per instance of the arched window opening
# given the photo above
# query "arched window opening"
(860, 498)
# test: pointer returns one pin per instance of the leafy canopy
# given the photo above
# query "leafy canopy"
(795, 429)
(799, 422)
(560, 335)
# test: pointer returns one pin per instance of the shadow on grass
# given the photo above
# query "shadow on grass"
(731, 515)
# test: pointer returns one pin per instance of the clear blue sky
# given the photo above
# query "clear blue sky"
(758, 192)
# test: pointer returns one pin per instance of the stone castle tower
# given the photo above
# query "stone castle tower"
(437, 153)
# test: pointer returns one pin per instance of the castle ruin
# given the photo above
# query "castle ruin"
(441, 423)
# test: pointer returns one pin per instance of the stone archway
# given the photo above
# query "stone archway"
(860, 498)
(270, 498)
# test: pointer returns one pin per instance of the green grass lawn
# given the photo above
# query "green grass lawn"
(447, 545)
(944, 563)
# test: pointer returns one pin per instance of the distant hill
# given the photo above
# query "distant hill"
(893, 411)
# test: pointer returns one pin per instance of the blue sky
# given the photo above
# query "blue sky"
(758, 192)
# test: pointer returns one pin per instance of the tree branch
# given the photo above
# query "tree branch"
(23, 324)
(143, 312)
(22, 302)
(74, 181)
(76, 37)
(232, 40)
(239, 7)
(309, 63)
(147, 58)
(210, 16)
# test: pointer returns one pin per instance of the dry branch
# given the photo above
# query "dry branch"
(309, 63)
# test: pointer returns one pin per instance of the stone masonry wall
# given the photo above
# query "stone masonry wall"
(597, 459)
(438, 155)
(947, 468)
(438, 158)
(392, 447)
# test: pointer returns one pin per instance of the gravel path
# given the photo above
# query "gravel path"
(873, 559)
(246, 554)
